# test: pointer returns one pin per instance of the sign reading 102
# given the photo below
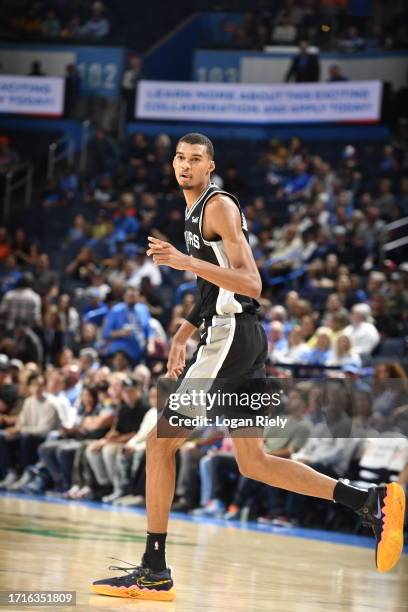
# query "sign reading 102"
(96, 76)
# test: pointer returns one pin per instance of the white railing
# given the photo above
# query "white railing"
(18, 177)
(60, 150)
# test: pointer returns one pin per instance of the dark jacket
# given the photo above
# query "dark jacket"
(304, 69)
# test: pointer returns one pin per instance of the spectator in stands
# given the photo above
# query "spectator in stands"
(191, 452)
(51, 335)
(88, 335)
(9, 394)
(386, 199)
(92, 421)
(363, 334)
(120, 363)
(72, 91)
(296, 186)
(386, 321)
(36, 69)
(144, 267)
(24, 250)
(51, 25)
(130, 459)
(216, 467)
(284, 31)
(127, 328)
(287, 251)
(296, 351)
(389, 164)
(103, 154)
(125, 216)
(130, 79)
(55, 387)
(21, 305)
(8, 158)
(73, 29)
(98, 26)
(9, 274)
(72, 384)
(304, 67)
(335, 74)
(69, 319)
(321, 352)
(343, 353)
(38, 416)
(102, 453)
(5, 248)
(44, 277)
(390, 388)
(276, 339)
(52, 197)
(352, 41)
(24, 344)
(314, 404)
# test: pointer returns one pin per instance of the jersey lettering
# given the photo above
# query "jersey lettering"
(192, 239)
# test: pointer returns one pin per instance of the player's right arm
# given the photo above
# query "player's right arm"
(177, 354)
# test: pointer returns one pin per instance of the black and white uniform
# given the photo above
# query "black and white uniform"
(233, 343)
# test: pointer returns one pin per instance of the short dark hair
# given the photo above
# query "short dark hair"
(35, 376)
(200, 139)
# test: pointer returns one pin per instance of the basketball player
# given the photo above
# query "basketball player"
(233, 346)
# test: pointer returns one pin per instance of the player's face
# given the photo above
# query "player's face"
(192, 165)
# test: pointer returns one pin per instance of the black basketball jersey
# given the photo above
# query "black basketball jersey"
(214, 299)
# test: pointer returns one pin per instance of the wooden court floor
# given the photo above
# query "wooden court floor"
(50, 546)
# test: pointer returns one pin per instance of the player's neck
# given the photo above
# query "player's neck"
(192, 195)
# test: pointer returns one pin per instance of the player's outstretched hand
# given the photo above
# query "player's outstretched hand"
(165, 254)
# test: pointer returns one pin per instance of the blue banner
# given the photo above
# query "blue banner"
(100, 68)
(218, 66)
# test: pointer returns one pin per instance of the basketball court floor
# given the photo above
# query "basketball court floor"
(217, 566)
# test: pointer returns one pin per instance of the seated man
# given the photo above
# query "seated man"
(101, 454)
(19, 443)
(93, 422)
(131, 458)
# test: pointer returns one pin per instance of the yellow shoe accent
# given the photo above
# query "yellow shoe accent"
(134, 593)
(390, 547)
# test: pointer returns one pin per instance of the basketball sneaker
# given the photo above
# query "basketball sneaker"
(384, 511)
(139, 582)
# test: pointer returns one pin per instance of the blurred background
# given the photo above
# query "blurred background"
(307, 104)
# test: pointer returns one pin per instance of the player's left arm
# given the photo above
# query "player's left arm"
(222, 218)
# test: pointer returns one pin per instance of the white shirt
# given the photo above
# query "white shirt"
(364, 337)
(146, 269)
(138, 441)
(328, 449)
(294, 354)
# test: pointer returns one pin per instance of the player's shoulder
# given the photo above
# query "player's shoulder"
(221, 204)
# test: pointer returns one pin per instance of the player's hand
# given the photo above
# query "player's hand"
(97, 446)
(165, 254)
(128, 451)
(176, 360)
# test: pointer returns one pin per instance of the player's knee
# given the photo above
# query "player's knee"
(248, 465)
(160, 447)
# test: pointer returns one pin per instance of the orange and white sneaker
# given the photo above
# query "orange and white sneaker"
(384, 511)
(139, 582)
